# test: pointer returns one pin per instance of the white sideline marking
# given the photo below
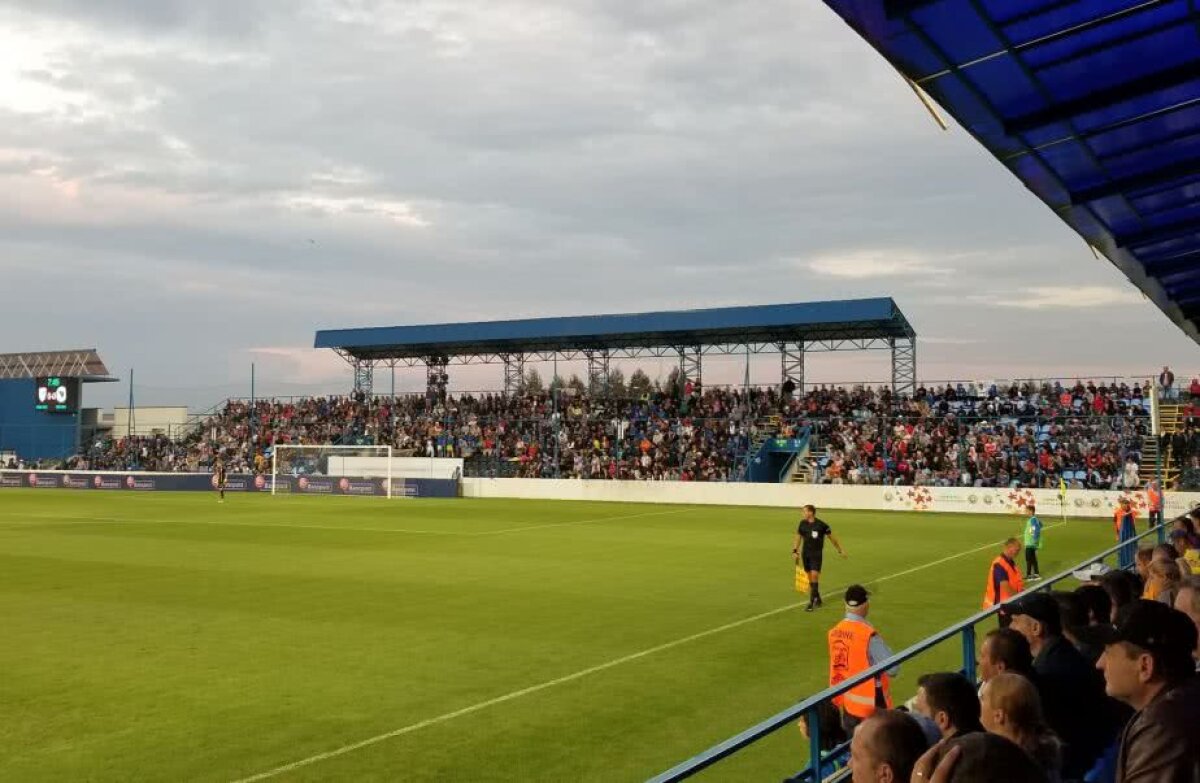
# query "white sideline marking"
(343, 750)
(61, 518)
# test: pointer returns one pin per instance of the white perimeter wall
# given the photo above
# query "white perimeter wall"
(1079, 502)
(402, 467)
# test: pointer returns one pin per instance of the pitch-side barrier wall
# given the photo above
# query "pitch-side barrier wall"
(1078, 503)
(202, 482)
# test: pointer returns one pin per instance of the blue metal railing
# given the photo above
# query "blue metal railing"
(823, 761)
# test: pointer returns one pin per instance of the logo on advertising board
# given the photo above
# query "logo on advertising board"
(315, 485)
(33, 480)
(43, 481)
(140, 484)
(75, 482)
(11, 480)
(361, 487)
(260, 482)
(106, 482)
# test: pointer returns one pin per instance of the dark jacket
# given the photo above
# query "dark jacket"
(1075, 705)
(1162, 742)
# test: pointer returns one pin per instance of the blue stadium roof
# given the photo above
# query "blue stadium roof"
(1093, 104)
(857, 319)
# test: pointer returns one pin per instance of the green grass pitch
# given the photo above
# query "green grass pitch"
(169, 638)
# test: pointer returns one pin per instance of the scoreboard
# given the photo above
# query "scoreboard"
(57, 395)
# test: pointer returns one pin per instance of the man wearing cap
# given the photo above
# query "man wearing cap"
(854, 647)
(1147, 664)
(1072, 696)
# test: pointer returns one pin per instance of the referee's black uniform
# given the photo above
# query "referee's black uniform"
(812, 551)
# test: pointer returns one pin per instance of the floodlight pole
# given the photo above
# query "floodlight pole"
(253, 418)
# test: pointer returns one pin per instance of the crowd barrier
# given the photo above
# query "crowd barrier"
(960, 500)
(206, 482)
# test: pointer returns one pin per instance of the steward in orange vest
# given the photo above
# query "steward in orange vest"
(854, 647)
(1154, 502)
(1004, 579)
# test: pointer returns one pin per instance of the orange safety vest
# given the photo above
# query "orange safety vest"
(1010, 587)
(849, 641)
(1154, 498)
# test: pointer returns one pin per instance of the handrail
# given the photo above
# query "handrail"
(809, 706)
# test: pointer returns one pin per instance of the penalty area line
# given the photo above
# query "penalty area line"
(517, 694)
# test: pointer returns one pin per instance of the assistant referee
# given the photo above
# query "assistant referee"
(809, 549)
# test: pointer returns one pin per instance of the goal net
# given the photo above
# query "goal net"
(333, 470)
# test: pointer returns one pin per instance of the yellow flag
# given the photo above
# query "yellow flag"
(1062, 487)
(802, 585)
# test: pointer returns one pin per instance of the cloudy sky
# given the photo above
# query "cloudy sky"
(194, 186)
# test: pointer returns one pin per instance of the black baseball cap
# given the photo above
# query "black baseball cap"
(1040, 606)
(1167, 634)
(856, 596)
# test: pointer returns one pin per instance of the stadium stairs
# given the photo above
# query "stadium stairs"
(1170, 421)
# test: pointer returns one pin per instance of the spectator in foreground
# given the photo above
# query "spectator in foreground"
(885, 748)
(1076, 627)
(1163, 583)
(1148, 664)
(1004, 650)
(829, 722)
(1188, 553)
(1141, 561)
(977, 758)
(1011, 707)
(1073, 699)
(1188, 602)
(1123, 589)
(950, 701)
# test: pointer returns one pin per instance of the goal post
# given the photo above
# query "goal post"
(332, 469)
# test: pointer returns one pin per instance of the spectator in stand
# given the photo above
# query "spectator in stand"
(1166, 383)
(1011, 707)
(1188, 602)
(1148, 664)
(977, 758)
(950, 701)
(1123, 589)
(1141, 562)
(1188, 553)
(1163, 583)
(885, 748)
(1097, 604)
(1077, 628)
(1004, 650)
(1073, 699)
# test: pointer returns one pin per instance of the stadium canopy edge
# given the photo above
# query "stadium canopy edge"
(832, 325)
(1093, 104)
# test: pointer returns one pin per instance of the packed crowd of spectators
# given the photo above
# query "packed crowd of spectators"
(1099, 683)
(955, 435)
(1021, 435)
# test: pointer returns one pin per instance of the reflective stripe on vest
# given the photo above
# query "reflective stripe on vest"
(1008, 588)
(849, 644)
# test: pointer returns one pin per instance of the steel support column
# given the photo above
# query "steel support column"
(514, 373)
(436, 378)
(691, 361)
(597, 365)
(364, 377)
(904, 366)
(791, 359)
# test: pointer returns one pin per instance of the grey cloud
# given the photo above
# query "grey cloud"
(568, 158)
